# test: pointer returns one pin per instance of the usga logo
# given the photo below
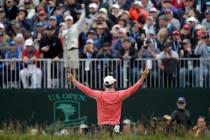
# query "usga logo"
(66, 109)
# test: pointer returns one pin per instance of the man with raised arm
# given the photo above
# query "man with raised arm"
(109, 101)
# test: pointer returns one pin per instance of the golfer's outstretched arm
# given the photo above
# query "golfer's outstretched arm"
(88, 91)
(128, 92)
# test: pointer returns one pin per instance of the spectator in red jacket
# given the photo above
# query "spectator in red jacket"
(137, 12)
(30, 70)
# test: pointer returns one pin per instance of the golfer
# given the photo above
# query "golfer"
(109, 101)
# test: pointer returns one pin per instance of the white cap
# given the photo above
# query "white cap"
(90, 41)
(193, 19)
(199, 26)
(109, 80)
(122, 30)
(116, 6)
(93, 5)
(19, 36)
(82, 126)
(2, 25)
(29, 42)
(127, 121)
(153, 9)
(68, 17)
(103, 10)
(139, 3)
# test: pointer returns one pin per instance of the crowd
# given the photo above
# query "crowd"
(126, 29)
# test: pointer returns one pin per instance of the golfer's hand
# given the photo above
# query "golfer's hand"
(144, 75)
(71, 77)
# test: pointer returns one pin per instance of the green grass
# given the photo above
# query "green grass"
(120, 137)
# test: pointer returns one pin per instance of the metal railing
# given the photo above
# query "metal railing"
(47, 73)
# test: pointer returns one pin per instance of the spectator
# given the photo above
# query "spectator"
(42, 16)
(31, 70)
(137, 12)
(105, 51)
(162, 23)
(13, 66)
(3, 42)
(153, 12)
(124, 4)
(38, 32)
(19, 39)
(70, 32)
(149, 25)
(129, 53)
(171, 20)
(11, 9)
(206, 21)
(181, 115)
(147, 4)
(5, 21)
(60, 9)
(138, 33)
(127, 127)
(200, 130)
(50, 7)
(149, 51)
(103, 34)
(88, 65)
(28, 4)
(168, 64)
(21, 19)
(115, 12)
(72, 8)
(162, 37)
(91, 34)
(89, 50)
(202, 50)
(51, 47)
(83, 129)
(92, 11)
(167, 5)
(176, 41)
(122, 34)
(31, 2)
(192, 21)
(52, 21)
(186, 66)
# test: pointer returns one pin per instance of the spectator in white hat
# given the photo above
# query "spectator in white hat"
(114, 12)
(70, 34)
(92, 11)
(83, 129)
(30, 70)
(127, 127)
(153, 13)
